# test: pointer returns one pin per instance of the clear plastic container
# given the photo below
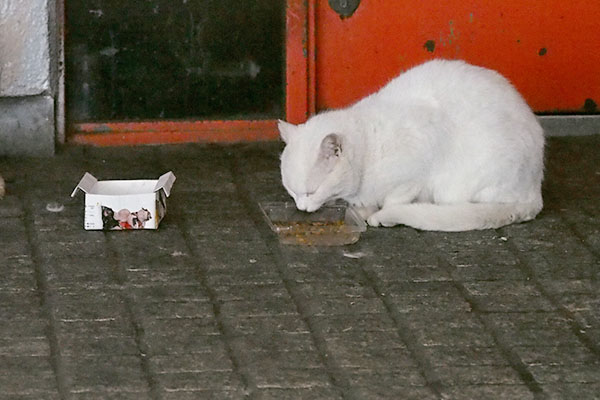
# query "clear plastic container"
(331, 225)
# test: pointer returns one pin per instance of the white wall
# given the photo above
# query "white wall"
(24, 48)
(28, 76)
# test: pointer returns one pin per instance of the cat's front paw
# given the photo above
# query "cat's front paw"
(382, 218)
(373, 221)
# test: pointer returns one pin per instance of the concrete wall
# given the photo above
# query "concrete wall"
(28, 76)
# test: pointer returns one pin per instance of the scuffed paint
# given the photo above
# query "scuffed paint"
(543, 51)
(590, 106)
(447, 38)
(429, 45)
(452, 36)
(24, 47)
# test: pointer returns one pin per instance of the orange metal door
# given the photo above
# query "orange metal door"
(549, 49)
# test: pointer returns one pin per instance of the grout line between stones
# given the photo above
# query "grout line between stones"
(46, 301)
(120, 276)
(512, 357)
(577, 329)
(402, 327)
(577, 233)
(335, 373)
(226, 333)
(250, 386)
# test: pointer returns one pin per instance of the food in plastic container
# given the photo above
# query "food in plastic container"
(331, 225)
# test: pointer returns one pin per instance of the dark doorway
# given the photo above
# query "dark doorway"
(174, 59)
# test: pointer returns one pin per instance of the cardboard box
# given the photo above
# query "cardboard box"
(124, 204)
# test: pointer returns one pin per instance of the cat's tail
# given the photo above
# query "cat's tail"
(455, 217)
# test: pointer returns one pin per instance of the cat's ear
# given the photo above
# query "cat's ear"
(331, 146)
(286, 130)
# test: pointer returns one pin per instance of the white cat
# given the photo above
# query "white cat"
(445, 146)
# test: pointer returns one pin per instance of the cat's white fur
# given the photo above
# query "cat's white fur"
(445, 146)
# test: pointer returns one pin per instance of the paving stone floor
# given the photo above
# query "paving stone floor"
(210, 306)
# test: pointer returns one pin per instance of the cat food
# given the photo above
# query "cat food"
(331, 225)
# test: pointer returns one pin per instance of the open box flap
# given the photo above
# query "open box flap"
(165, 182)
(85, 184)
